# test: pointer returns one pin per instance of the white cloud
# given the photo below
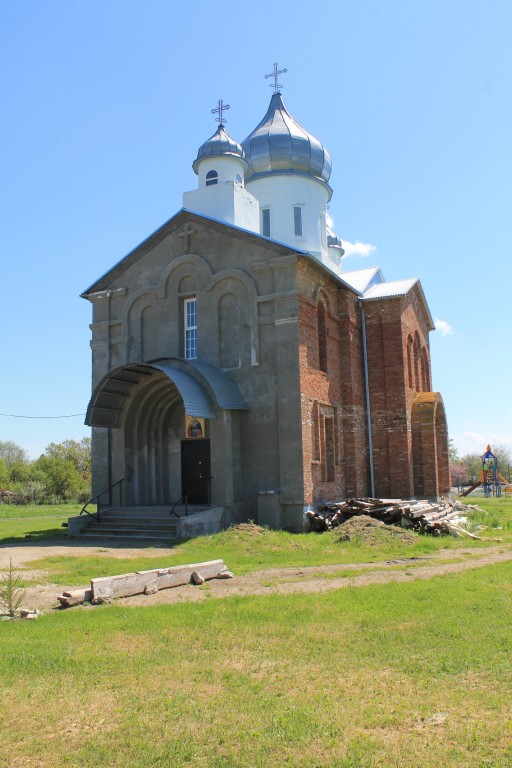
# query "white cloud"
(357, 248)
(475, 442)
(352, 249)
(443, 327)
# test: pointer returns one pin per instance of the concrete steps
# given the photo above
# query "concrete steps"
(147, 524)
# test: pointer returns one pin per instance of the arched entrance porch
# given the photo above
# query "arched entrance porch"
(140, 412)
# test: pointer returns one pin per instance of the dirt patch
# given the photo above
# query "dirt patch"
(23, 553)
(313, 579)
(370, 531)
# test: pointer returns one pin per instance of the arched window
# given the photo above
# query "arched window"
(315, 427)
(212, 177)
(410, 345)
(425, 372)
(322, 337)
(417, 353)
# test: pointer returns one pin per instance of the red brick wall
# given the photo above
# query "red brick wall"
(390, 323)
(337, 393)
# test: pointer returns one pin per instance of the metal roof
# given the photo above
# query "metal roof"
(390, 290)
(362, 279)
(107, 402)
(279, 144)
(219, 145)
(225, 391)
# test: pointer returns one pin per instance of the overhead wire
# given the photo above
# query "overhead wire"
(19, 416)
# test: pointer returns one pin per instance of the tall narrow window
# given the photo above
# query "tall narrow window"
(410, 345)
(265, 222)
(212, 177)
(190, 326)
(297, 220)
(315, 427)
(425, 374)
(417, 353)
(322, 337)
(329, 449)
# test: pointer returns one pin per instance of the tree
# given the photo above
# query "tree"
(452, 451)
(14, 464)
(78, 452)
(67, 468)
(12, 453)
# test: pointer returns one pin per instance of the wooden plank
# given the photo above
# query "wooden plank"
(111, 587)
(76, 597)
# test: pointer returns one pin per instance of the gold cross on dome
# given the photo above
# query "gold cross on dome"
(221, 107)
(275, 74)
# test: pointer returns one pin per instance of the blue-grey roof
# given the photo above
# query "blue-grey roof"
(224, 389)
(107, 402)
(280, 145)
(219, 145)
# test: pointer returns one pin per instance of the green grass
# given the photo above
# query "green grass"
(34, 522)
(35, 510)
(244, 551)
(414, 675)
(32, 529)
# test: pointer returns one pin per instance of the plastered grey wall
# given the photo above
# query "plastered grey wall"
(247, 324)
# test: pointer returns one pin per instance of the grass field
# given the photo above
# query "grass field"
(412, 675)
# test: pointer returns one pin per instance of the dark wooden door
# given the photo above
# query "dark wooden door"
(195, 470)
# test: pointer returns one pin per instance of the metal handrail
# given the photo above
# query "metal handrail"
(96, 515)
(186, 495)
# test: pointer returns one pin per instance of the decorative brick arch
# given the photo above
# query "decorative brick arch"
(429, 446)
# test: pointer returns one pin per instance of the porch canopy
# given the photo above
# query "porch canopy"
(201, 386)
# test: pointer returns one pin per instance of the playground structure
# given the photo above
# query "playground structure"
(490, 478)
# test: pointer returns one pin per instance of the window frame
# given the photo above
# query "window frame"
(297, 221)
(190, 328)
(265, 222)
(211, 178)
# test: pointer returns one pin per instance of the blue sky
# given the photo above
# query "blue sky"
(105, 104)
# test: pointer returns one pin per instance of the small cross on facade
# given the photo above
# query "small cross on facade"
(187, 232)
(275, 74)
(221, 107)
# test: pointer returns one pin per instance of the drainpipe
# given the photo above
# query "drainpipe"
(367, 395)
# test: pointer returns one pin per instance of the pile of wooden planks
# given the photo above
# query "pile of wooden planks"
(439, 518)
(429, 517)
(330, 515)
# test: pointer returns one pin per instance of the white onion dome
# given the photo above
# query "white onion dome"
(219, 145)
(280, 145)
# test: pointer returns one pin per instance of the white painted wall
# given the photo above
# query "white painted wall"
(228, 202)
(226, 166)
(281, 193)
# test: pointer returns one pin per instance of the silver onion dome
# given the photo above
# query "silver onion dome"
(279, 145)
(333, 241)
(219, 145)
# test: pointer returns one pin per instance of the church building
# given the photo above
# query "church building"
(236, 365)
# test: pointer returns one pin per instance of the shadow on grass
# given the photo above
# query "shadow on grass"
(55, 537)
